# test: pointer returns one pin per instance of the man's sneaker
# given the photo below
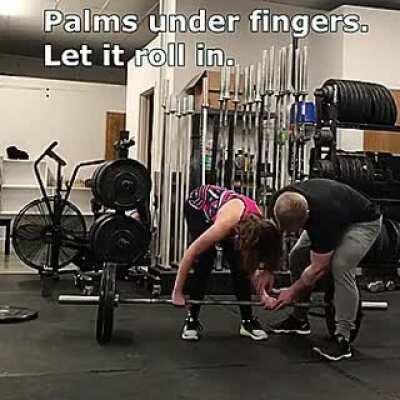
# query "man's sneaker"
(252, 328)
(191, 329)
(337, 349)
(292, 325)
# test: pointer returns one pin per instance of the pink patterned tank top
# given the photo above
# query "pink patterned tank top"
(209, 199)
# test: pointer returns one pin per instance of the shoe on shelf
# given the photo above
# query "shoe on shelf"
(292, 325)
(192, 329)
(252, 328)
(337, 349)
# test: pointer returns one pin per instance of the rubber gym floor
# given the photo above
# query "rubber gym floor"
(56, 356)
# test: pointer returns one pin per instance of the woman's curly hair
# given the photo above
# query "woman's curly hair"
(260, 242)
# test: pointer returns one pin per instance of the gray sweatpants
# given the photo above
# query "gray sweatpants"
(354, 245)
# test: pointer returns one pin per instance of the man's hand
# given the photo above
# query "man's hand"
(178, 299)
(263, 281)
(268, 302)
(285, 298)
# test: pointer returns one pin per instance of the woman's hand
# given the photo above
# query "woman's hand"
(267, 301)
(178, 298)
(263, 281)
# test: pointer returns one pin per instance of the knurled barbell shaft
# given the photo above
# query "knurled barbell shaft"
(93, 300)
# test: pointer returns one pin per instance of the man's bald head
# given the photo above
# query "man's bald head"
(291, 211)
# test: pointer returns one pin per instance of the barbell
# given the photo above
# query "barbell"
(108, 299)
(95, 300)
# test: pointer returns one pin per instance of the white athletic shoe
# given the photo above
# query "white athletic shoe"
(252, 328)
(191, 329)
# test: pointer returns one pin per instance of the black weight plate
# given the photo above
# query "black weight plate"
(10, 314)
(343, 107)
(378, 110)
(121, 184)
(397, 228)
(339, 160)
(119, 239)
(357, 173)
(346, 171)
(350, 171)
(370, 169)
(105, 311)
(366, 101)
(384, 103)
(316, 170)
(96, 173)
(392, 107)
(364, 184)
(372, 93)
(328, 169)
(331, 169)
(355, 103)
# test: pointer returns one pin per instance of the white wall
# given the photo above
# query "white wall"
(326, 58)
(73, 113)
(246, 47)
(374, 56)
(371, 56)
(16, 65)
(141, 80)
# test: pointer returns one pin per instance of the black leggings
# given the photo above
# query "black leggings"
(205, 262)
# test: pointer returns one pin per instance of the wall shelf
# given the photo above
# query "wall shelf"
(19, 187)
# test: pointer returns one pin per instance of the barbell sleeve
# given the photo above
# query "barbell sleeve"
(264, 73)
(236, 97)
(258, 98)
(289, 69)
(246, 85)
(271, 70)
(79, 300)
(227, 86)
(206, 103)
(191, 107)
(222, 84)
(165, 93)
(251, 84)
(297, 71)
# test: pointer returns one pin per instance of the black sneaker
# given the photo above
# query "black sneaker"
(292, 325)
(252, 328)
(338, 349)
(191, 329)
